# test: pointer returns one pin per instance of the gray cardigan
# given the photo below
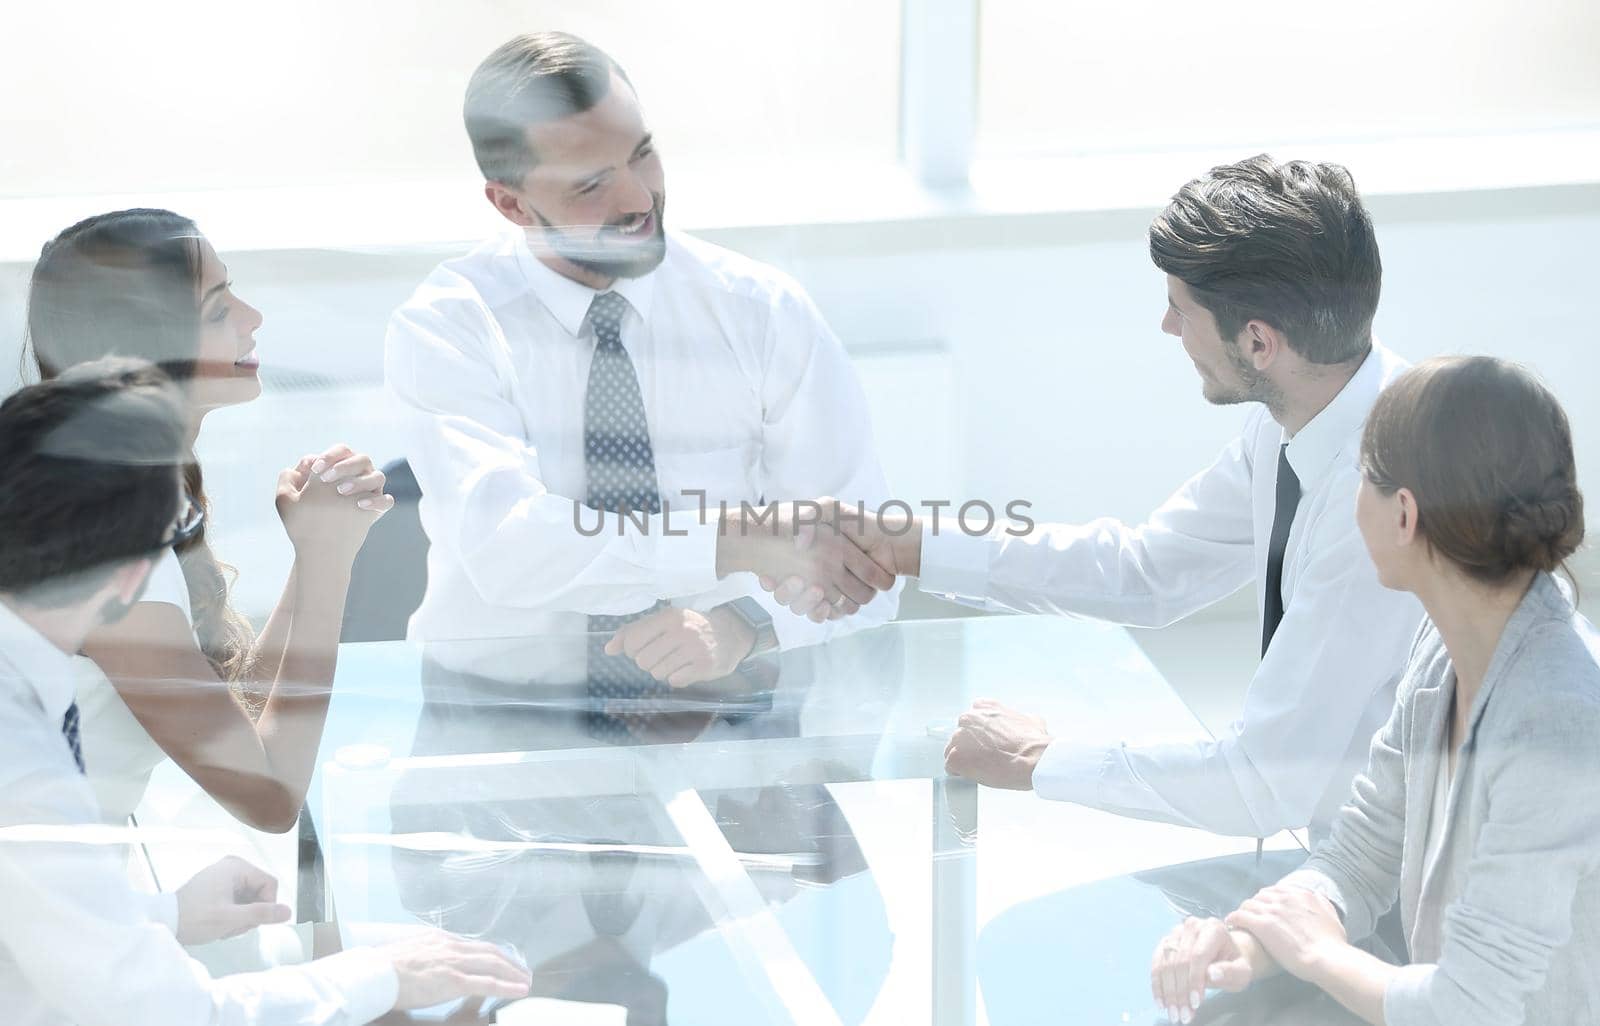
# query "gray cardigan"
(1516, 876)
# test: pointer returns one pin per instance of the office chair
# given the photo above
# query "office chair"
(386, 585)
(391, 570)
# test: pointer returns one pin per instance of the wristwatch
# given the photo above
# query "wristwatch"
(750, 613)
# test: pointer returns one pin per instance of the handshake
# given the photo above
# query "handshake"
(820, 558)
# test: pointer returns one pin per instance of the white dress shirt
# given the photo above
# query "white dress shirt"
(749, 396)
(77, 943)
(125, 755)
(1323, 688)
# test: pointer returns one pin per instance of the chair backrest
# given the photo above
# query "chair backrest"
(391, 570)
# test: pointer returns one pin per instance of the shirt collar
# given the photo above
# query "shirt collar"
(36, 661)
(567, 300)
(1313, 447)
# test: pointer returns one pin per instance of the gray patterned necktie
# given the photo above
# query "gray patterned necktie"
(622, 477)
(616, 434)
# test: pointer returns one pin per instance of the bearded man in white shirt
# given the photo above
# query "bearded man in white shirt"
(588, 364)
(1273, 277)
(93, 492)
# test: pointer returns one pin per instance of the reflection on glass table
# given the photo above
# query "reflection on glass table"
(781, 846)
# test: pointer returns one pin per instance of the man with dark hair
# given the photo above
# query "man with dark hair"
(1287, 244)
(583, 394)
(93, 492)
(91, 471)
(1272, 284)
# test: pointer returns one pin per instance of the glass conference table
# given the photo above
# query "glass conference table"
(782, 846)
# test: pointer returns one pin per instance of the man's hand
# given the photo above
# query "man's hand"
(996, 746)
(1198, 954)
(798, 541)
(892, 539)
(682, 647)
(1296, 926)
(434, 967)
(225, 900)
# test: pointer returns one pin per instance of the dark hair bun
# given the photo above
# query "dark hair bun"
(1542, 531)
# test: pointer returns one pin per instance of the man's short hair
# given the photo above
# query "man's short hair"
(1290, 244)
(90, 463)
(541, 76)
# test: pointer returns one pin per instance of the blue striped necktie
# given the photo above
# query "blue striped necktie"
(69, 730)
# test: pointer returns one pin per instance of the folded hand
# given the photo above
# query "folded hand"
(1198, 954)
(328, 501)
(1295, 925)
(683, 646)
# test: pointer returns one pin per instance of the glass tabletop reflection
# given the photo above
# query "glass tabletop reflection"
(780, 846)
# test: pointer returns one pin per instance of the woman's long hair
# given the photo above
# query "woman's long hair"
(127, 283)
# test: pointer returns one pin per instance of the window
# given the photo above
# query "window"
(112, 97)
(1070, 77)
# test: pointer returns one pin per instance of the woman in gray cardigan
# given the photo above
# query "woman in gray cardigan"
(1480, 806)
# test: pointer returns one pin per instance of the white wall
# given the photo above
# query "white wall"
(1006, 357)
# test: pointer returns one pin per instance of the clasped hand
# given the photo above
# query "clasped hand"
(1282, 927)
(682, 646)
(820, 559)
(329, 500)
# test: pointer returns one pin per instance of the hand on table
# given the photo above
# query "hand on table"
(682, 646)
(226, 899)
(434, 967)
(329, 500)
(797, 545)
(996, 746)
(1296, 926)
(1198, 954)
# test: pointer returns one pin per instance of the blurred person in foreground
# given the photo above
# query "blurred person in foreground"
(93, 496)
(246, 725)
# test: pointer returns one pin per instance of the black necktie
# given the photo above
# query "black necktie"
(69, 730)
(622, 476)
(1283, 515)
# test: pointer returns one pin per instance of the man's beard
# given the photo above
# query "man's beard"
(1252, 386)
(598, 256)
